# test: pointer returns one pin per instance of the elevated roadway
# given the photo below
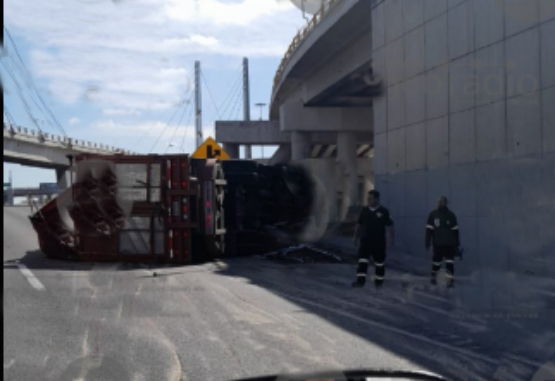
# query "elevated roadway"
(42, 150)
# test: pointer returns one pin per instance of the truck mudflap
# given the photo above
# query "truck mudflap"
(56, 238)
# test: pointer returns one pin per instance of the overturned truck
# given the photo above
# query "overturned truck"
(173, 209)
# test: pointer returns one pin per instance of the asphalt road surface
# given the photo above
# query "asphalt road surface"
(241, 318)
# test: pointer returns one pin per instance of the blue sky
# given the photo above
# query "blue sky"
(113, 71)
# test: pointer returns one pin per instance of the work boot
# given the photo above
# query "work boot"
(433, 281)
(378, 284)
(357, 284)
(451, 284)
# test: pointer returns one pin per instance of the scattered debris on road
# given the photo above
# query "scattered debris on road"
(302, 254)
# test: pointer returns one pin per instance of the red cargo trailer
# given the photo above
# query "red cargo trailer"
(151, 208)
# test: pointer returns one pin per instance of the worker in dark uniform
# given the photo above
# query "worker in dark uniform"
(442, 230)
(370, 237)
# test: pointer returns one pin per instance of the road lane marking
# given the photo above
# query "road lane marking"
(30, 277)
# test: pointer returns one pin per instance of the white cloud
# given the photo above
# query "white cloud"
(204, 40)
(74, 121)
(138, 55)
(220, 13)
(120, 111)
(146, 128)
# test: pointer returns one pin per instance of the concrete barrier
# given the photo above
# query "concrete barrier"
(300, 36)
(39, 137)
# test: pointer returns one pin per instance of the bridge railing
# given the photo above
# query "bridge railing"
(324, 11)
(75, 144)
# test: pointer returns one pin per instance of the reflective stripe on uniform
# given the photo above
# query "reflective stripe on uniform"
(449, 275)
(449, 261)
(430, 227)
(362, 260)
(437, 263)
(362, 275)
(378, 264)
(379, 278)
(455, 228)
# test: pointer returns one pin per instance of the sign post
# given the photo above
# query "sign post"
(210, 150)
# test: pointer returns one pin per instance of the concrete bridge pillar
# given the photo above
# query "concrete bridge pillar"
(63, 178)
(348, 160)
(232, 150)
(300, 145)
(282, 155)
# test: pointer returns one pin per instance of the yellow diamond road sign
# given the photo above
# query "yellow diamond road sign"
(210, 150)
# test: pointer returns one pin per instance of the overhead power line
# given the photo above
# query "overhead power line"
(15, 47)
(176, 127)
(9, 116)
(237, 109)
(228, 102)
(211, 96)
(38, 106)
(236, 92)
(166, 127)
(238, 77)
(148, 130)
(187, 124)
(188, 106)
(30, 81)
(20, 94)
(230, 94)
(236, 104)
(233, 96)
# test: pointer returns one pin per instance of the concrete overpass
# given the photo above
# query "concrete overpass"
(36, 149)
(400, 71)
(324, 144)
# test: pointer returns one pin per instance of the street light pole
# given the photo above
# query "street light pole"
(261, 106)
(246, 102)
